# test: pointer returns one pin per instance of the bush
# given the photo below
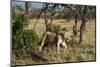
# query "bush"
(19, 22)
(56, 28)
(25, 39)
(22, 38)
(64, 29)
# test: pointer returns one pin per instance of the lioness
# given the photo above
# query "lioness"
(55, 38)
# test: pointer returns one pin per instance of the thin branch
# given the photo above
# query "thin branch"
(39, 16)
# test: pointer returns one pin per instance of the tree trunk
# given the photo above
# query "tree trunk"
(83, 24)
(82, 29)
(45, 16)
(75, 29)
(52, 18)
(38, 18)
(52, 14)
(28, 8)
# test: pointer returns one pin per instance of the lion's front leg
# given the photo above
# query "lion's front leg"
(42, 43)
(59, 41)
(64, 45)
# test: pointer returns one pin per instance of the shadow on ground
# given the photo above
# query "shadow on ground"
(37, 57)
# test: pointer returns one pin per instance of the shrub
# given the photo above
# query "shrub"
(30, 38)
(64, 29)
(56, 28)
(22, 38)
(19, 22)
(25, 39)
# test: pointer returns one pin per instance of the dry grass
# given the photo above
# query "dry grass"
(82, 52)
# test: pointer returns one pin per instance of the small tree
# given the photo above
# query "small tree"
(83, 24)
(45, 15)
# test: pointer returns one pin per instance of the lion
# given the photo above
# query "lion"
(57, 38)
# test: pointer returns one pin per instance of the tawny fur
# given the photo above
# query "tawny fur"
(55, 38)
